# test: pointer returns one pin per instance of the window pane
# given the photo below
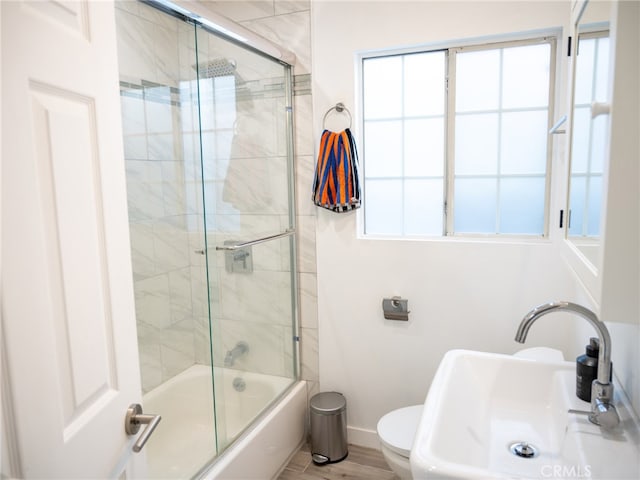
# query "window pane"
(599, 143)
(580, 144)
(577, 202)
(424, 84)
(524, 142)
(522, 205)
(423, 207)
(383, 149)
(383, 208)
(424, 147)
(477, 80)
(526, 76)
(602, 70)
(476, 144)
(475, 205)
(382, 87)
(595, 200)
(583, 87)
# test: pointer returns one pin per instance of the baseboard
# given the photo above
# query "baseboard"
(363, 437)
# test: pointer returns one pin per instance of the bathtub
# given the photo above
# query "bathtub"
(184, 444)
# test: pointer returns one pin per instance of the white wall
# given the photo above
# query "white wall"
(461, 294)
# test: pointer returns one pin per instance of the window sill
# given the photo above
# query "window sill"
(465, 239)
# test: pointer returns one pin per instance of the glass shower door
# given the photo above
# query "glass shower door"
(159, 95)
(245, 135)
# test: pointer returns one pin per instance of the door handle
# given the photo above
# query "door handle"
(134, 419)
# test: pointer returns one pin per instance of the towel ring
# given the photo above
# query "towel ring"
(338, 107)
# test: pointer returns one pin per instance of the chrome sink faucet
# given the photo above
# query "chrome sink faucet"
(603, 412)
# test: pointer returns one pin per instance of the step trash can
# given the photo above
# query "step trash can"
(328, 427)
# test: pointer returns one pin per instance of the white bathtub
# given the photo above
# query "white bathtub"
(185, 440)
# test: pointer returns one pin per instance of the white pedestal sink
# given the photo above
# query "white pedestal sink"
(480, 404)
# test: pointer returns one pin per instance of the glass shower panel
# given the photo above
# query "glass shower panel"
(246, 164)
(159, 100)
(158, 94)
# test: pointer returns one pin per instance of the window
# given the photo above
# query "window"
(455, 140)
(588, 150)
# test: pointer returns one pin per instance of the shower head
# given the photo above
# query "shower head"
(220, 67)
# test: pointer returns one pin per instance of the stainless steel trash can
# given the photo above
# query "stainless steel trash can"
(328, 427)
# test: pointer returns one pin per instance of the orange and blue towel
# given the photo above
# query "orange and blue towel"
(336, 185)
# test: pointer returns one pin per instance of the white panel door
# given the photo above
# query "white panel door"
(68, 309)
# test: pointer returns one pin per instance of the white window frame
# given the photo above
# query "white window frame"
(551, 37)
(595, 34)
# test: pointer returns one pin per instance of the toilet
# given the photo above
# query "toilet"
(396, 431)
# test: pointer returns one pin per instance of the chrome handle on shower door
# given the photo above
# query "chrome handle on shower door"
(240, 246)
(134, 419)
(231, 246)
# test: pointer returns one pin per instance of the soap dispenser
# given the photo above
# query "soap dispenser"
(587, 369)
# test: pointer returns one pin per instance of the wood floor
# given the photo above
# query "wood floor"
(361, 464)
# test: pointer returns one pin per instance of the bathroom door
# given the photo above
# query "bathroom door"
(70, 361)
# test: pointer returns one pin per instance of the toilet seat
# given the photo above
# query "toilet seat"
(397, 428)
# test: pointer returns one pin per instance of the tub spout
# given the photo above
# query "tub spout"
(232, 355)
(603, 412)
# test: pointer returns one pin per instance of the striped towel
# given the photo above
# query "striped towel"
(336, 185)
